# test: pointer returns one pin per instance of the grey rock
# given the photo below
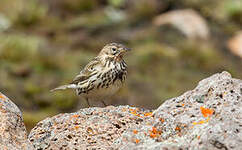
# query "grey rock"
(13, 134)
(188, 21)
(89, 128)
(208, 117)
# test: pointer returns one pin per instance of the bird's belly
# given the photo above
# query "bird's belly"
(103, 92)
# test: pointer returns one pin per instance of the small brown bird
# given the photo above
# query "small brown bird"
(103, 76)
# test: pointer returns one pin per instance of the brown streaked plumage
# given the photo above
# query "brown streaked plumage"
(103, 76)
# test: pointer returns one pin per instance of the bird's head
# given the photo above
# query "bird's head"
(114, 51)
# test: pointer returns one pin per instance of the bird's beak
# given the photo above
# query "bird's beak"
(125, 49)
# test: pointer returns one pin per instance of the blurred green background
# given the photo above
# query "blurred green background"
(45, 43)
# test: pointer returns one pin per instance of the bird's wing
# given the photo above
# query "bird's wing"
(88, 71)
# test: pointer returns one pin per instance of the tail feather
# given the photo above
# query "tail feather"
(64, 87)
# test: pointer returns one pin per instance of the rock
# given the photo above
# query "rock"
(208, 117)
(91, 128)
(235, 44)
(188, 21)
(13, 134)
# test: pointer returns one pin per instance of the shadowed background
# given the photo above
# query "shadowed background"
(175, 43)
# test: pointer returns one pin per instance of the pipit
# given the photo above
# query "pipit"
(103, 76)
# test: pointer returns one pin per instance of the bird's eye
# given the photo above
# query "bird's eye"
(114, 49)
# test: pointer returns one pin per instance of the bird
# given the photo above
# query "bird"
(103, 76)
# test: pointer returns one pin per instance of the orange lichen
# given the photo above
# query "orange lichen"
(148, 114)
(137, 141)
(152, 135)
(154, 132)
(138, 115)
(198, 137)
(133, 111)
(206, 112)
(76, 127)
(162, 120)
(201, 122)
(178, 129)
(1, 96)
(135, 131)
(75, 116)
(183, 104)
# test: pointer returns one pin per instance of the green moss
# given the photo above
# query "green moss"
(143, 9)
(31, 88)
(18, 47)
(64, 100)
(33, 12)
(234, 10)
(79, 5)
(89, 21)
(116, 3)
(202, 56)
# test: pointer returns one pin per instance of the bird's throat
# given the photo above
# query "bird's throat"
(118, 58)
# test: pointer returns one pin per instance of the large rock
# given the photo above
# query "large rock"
(208, 117)
(13, 134)
(188, 21)
(91, 128)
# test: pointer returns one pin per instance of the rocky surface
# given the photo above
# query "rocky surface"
(90, 127)
(208, 117)
(13, 134)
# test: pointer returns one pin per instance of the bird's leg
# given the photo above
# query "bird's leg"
(104, 103)
(87, 102)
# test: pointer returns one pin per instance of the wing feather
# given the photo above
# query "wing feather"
(88, 71)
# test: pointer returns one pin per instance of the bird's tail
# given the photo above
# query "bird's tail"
(64, 87)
